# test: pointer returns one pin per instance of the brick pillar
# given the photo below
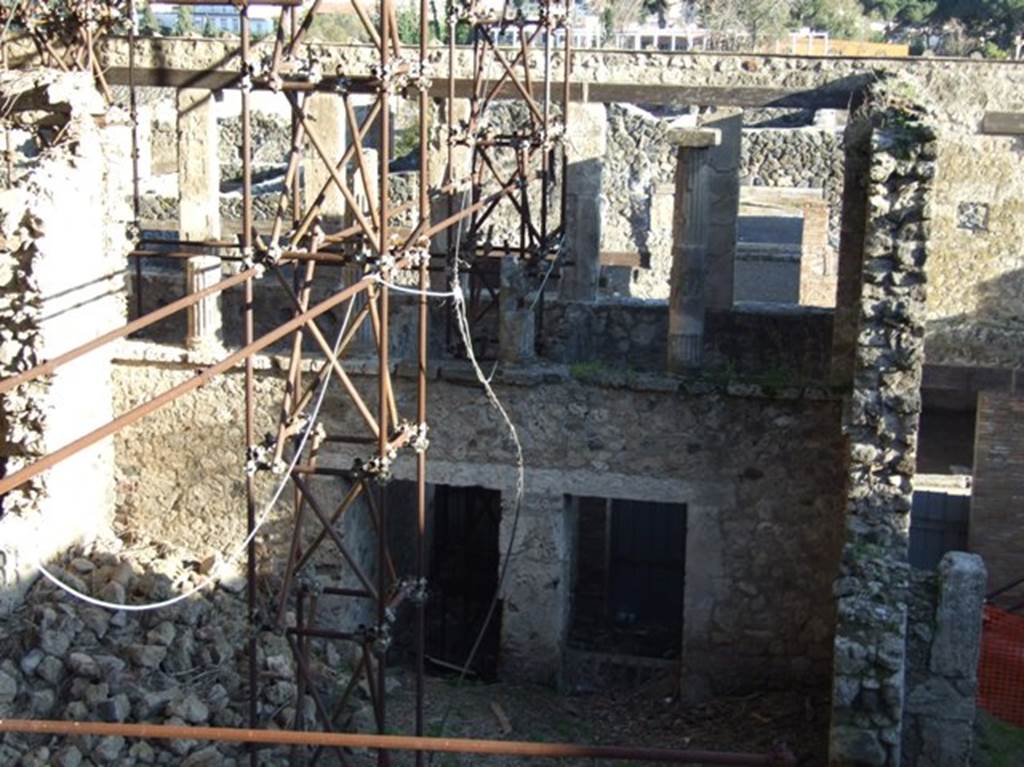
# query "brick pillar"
(817, 279)
(690, 237)
(199, 209)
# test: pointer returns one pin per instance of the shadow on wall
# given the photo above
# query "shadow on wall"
(992, 335)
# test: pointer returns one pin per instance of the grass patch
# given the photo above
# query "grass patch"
(998, 744)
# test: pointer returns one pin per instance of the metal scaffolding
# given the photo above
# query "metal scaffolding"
(516, 168)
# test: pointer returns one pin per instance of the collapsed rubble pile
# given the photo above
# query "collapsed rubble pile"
(185, 664)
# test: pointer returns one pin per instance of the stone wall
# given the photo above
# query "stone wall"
(640, 166)
(62, 259)
(882, 274)
(801, 157)
(977, 272)
(785, 345)
(943, 647)
(758, 608)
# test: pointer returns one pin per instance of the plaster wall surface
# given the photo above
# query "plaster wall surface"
(180, 477)
(61, 282)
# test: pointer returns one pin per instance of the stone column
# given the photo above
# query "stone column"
(199, 209)
(690, 236)
(328, 124)
(62, 259)
(443, 205)
(516, 325)
(588, 145)
(366, 192)
(940, 703)
(723, 182)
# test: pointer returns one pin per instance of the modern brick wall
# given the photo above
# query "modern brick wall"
(997, 507)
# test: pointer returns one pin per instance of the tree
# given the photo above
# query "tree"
(618, 14)
(760, 19)
(991, 27)
(904, 13)
(337, 28)
(185, 25)
(408, 22)
(656, 8)
(1001, 21)
(148, 25)
(843, 19)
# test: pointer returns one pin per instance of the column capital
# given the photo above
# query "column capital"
(694, 138)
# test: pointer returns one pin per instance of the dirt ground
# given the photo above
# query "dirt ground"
(647, 717)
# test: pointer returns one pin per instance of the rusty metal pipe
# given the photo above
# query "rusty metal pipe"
(142, 322)
(12, 481)
(780, 758)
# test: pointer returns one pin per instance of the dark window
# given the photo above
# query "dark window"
(628, 587)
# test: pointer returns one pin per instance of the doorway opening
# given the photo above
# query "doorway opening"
(464, 566)
(630, 577)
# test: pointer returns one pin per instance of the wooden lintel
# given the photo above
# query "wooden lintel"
(1003, 124)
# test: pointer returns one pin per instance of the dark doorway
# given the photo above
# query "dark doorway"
(629, 580)
(946, 441)
(464, 578)
(938, 523)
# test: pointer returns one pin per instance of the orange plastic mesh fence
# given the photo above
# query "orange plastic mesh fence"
(1001, 670)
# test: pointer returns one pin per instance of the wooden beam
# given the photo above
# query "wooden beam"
(621, 258)
(601, 93)
(1003, 124)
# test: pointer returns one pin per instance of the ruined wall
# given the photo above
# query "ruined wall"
(640, 166)
(786, 345)
(974, 269)
(61, 262)
(882, 275)
(758, 610)
(943, 647)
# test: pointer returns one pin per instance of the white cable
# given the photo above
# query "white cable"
(456, 294)
(260, 521)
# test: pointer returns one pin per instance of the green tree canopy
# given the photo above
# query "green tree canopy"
(148, 25)
(185, 25)
(903, 12)
(840, 18)
(761, 19)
